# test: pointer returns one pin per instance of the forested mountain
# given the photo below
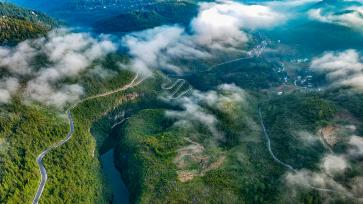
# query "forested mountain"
(117, 16)
(181, 101)
(17, 24)
(180, 12)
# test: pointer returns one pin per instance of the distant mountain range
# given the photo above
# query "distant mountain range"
(116, 16)
(85, 4)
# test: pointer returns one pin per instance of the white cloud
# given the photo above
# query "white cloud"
(333, 164)
(72, 53)
(146, 47)
(306, 137)
(219, 27)
(4, 96)
(102, 73)
(156, 48)
(18, 60)
(227, 98)
(350, 17)
(8, 86)
(223, 22)
(320, 181)
(50, 95)
(288, 4)
(341, 68)
(309, 179)
(356, 144)
(66, 54)
(194, 113)
(11, 84)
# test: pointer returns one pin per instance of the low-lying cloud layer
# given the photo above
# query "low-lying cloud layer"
(42, 65)
(333, 166)
(351, 17)
(320, 180)
(223, 22)
(8, 86)
(356, 146)
(221, 26)
(341, 68)
(197, 107)
(157, 47)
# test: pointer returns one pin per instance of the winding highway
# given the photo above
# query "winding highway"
(255, 52)
(42, 170)
(40, 157)
(269, 144)
(179, 83)
(182, 93)
(165, 87)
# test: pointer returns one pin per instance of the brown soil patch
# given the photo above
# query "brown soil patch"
(194, 153)
(214, 165)
(329, 134)
(185, 176)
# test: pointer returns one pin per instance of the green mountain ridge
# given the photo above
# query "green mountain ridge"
(18, 24)
(179, 12)
(240, 134)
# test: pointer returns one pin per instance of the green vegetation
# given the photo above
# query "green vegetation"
(238, 168)
(286, 116)
(74, 169)
(251, 74)
(294, 122)
(351, 101)
(74, 172)
(178, 12)
(149, 144)
(160, 161)
(153, 151)
(17, 24)
(25, 131)
(14, 30)
(10, 10)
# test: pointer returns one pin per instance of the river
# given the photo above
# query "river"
(113, 176)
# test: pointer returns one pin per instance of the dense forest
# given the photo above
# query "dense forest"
(24, 132)
(242, 132)
(17, 24)
(148, 145)
(163, 13)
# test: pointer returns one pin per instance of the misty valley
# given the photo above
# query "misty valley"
(186, 101)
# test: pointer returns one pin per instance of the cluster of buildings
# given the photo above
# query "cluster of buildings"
(302, 79)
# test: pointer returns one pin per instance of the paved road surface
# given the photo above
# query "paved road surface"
(40, 157)
(269, 145)
(42, 169)
(179, 83)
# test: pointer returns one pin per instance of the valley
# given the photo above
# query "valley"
(181, 102)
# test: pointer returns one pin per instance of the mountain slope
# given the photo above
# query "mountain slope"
(17, 24)
(180, 12)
